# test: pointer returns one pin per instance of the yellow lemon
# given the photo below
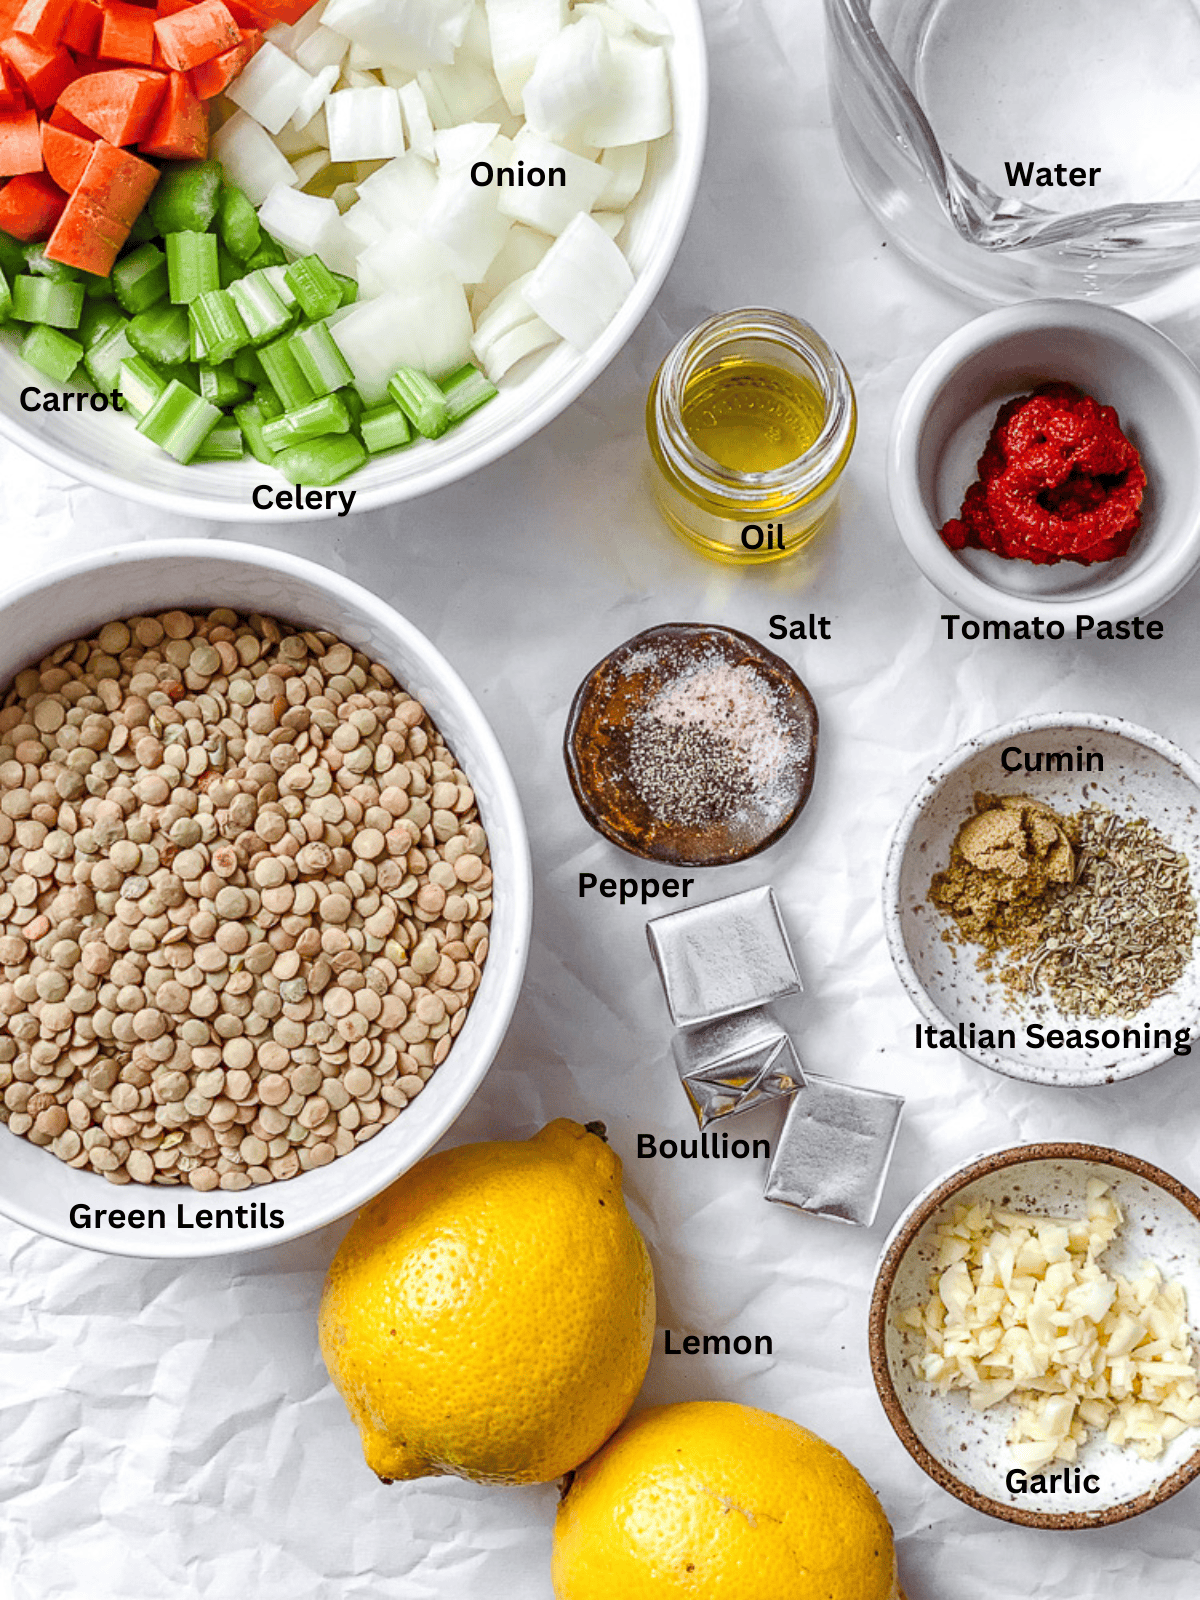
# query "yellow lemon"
(491, 1314)
(721, 1502)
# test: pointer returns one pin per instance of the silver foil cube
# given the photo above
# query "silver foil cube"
(835, 1149)
(736, 1063)
(729, 955)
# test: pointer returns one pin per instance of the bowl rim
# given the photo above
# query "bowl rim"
(1142, 594)
(895, 1248)
(537, 415)
(494, 1026)
(901, 838)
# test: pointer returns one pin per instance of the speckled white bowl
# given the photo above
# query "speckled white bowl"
(1144, 775)
(69, 602)
(967, 1451)
(947, 413)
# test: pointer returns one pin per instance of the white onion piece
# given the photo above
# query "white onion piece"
(551, 209)
(626, 168)
(463, 146)
(402, 258)
(638, 106)
(426, 326)
(357, 78)
(611, 221)
(458, 93)
(522, 250)
(613, 23)
(465, 220)
(647, 19)
(426, 32)
(323, 48)
(295, 141)
(509, 329)
(250, 158)
(313, 98)
(364, 124)
(401, 191)
(519, 29)
(580, 283)
(305, 223)
(571, 82)
(307, 167)
(417, 121)
(270, 87)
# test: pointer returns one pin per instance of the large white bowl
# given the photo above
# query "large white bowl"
(39, 1190)
(107, 451)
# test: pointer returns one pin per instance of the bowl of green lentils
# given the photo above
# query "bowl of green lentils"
(265, 898)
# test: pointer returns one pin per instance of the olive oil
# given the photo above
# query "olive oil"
(752, 416)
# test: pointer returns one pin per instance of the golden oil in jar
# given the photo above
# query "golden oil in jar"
(751, 420)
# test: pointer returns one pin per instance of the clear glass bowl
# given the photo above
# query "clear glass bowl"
(1033, 147)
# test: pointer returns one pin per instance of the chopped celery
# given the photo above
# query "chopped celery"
(37, 262)
(140, 278)
(421, 401)
(51, 352)
(248, 367)
(217, 326)
(268, 254)
(179, 421)
(185, 197)
(98, 319)
(229, 268)
(104, 357)
(284, 374)
(6, 301)
(319, 417)
(44, 300)
(192, 268)
(12, 255)
(320, 360)
(261, 309)
(162, 334)
(277, 278)
(348, 286)
(268, 402)
(314, 286)
(140, 385)
(221, 386)
(466, 390)
(384, 427)
(143, 228)
(250, 419)
(224, 443)
(321, 462)
(237, 223)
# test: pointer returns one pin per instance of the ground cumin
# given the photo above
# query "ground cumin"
(1005, 860)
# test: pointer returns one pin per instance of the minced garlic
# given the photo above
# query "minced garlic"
(1020, 1310)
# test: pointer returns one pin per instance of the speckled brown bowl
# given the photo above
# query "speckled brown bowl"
(966, 1451)
(597, 745)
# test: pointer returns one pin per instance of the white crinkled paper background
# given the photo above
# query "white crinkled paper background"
(169, 1431)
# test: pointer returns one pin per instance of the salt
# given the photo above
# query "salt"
(726, 956)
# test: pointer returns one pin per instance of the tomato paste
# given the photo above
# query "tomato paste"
(1058, 481)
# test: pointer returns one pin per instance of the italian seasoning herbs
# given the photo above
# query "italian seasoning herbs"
(244, 900)
(1094, 911)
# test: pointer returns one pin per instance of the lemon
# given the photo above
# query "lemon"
(491, 1314)
(721, 1502)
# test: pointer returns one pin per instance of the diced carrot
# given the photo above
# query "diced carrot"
(100, 213)
(18, 138)
(180, 130)
(252, 38)
(283, 10)
(248, 16)
(9, 10)
(168, 8)
(82, 32)
(65, 155)
(61, 118)
(127, 33)
(191, 37)
(119, 105)
(30, 205)
(12, 95)
(43, 20)
(45, 73)
(211, 77)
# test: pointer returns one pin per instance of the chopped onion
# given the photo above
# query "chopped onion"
(463, 146)
(550, 209)
(580, 283)
(364, 124)
(424, 32)
(323, 48)
(458, 93)
(519, 29)
(250, 158)
(466, 221)
(313, 100)
(427, 325)
(638, 108)
(571, 82)
(270, 87)
(626, 168)
(417, 120)
(305, 223)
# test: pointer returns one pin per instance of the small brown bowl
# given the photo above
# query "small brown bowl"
(966, 1451)
(725, 812)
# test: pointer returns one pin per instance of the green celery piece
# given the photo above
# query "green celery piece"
(237, 223)
(250, 420)
(268, 402)
(217, 326)
(185, 372)
(104, 357)
(353, 401)
(221, 386)
(284, 374)
(140, 278)
(192, 268)
(186, 196)
(261, 309)
(99, 317)
(348, 286)
(466, 390)
(6, 300)
(162, 334)
(12, 255)
(143, 228)
(384, 427)
(320, 360)
(421, 401)
(248, 367)
(51, 352)
(277, 278)
(45, 300)
(140, 385)
(224, 443)
(268, 254)
(314, 286)
(229, 268)
(37, 262)
(313, 421)
(322, 462)
(179, 421)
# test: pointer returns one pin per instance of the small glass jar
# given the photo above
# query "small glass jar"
(731, 514)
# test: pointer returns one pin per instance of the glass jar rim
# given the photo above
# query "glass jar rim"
(702, 346)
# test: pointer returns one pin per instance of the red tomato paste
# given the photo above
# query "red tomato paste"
(1058, 481)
